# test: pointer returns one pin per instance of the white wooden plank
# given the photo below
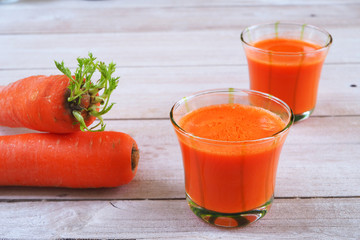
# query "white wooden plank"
(175, 3)
(320, 158)
(195, 48)
(288, 218)
(150, 92)
(117, 16)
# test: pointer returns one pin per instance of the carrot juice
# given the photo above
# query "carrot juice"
(292, 79)
(230, 152)
(287, 63)
(235, 179)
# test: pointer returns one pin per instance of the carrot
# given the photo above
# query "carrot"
(74, 160)
(59, 103)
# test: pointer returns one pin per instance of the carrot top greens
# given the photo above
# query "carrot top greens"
(85, 98)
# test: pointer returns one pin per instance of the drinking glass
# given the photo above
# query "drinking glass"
(289, 65)
(230, 183)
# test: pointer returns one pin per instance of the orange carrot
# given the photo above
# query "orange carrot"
(59, 103)
(75, 160)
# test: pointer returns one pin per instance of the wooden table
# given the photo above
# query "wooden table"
(164, 51)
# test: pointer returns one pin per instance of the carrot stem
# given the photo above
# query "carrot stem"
(81, 85)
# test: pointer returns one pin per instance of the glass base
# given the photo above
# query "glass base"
(303, 116)
(229, 219)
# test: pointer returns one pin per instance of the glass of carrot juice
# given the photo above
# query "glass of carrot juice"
(230, 141)
(285, 60)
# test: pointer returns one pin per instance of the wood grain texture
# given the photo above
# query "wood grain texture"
(158, 49)
(161, 219)
(83, 16)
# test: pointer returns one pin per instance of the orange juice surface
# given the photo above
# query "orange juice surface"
(233, 168)
(291, 71)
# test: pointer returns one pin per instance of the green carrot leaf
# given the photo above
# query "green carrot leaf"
(99, 91)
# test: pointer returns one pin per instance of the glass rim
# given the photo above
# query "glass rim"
(323, 47)
(231, 90)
